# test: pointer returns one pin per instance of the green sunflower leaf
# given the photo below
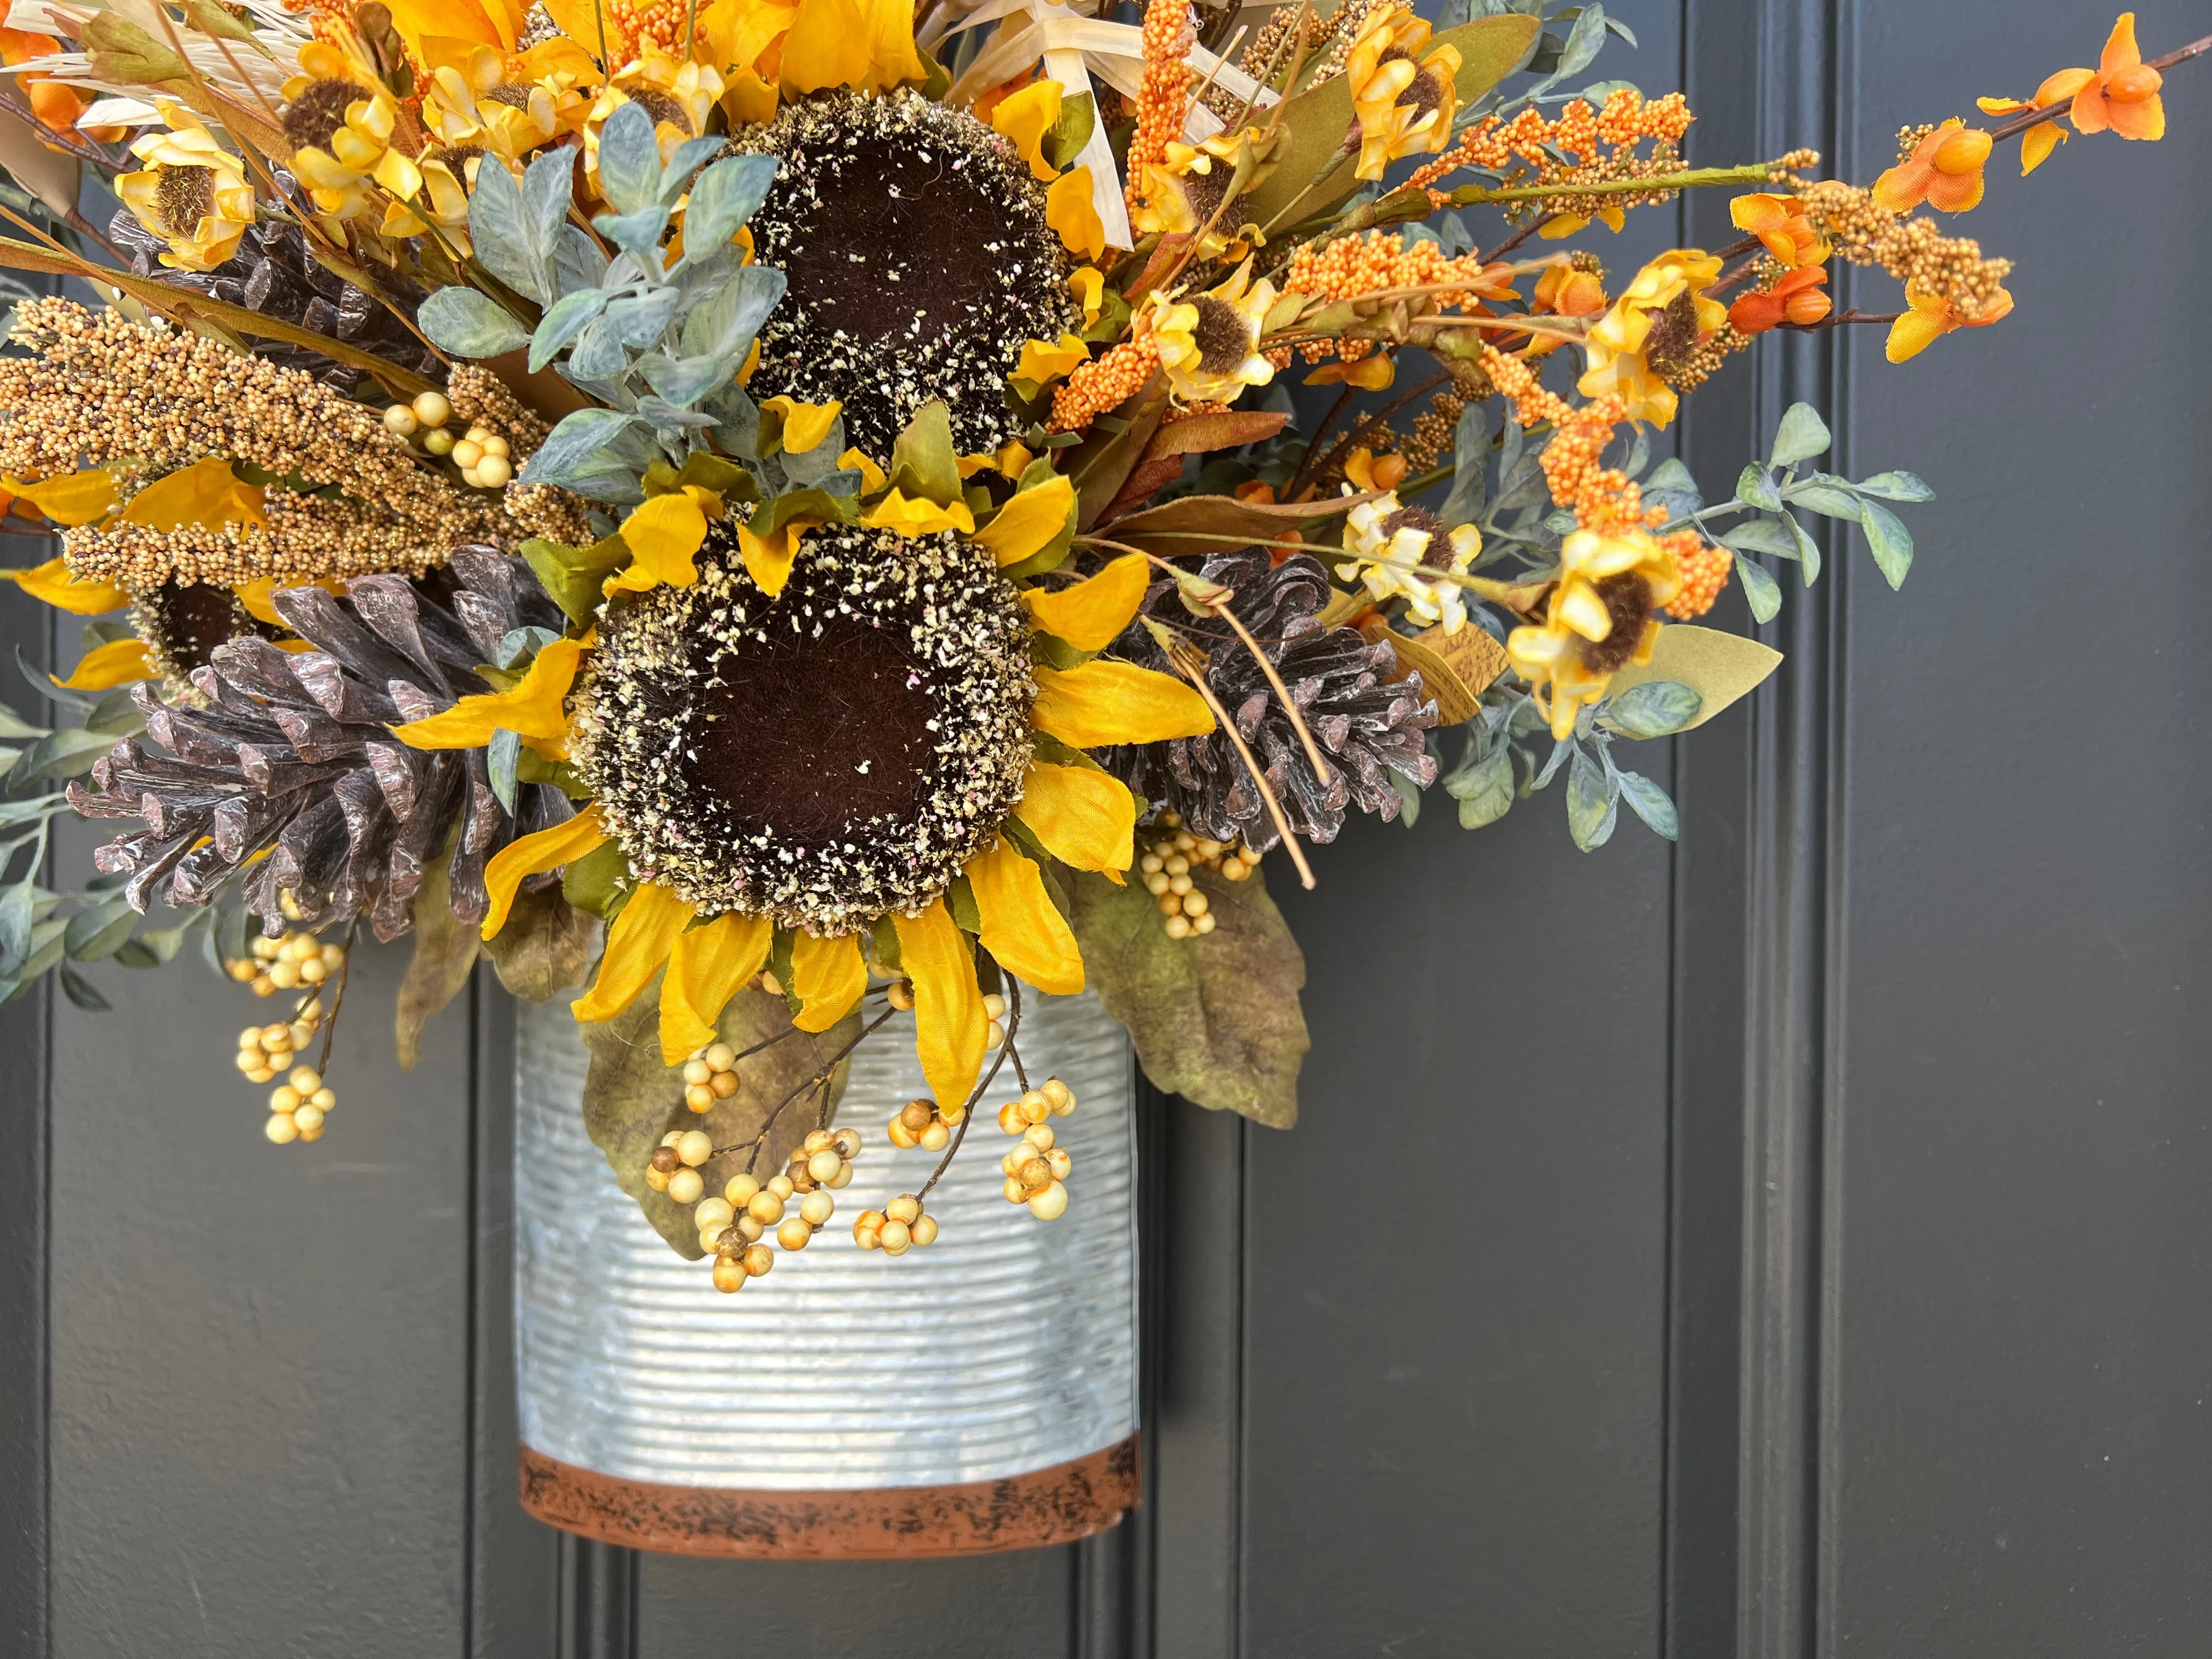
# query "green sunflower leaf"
(576, 576)
(546, 946)
(924, 463)
(1215, 1019)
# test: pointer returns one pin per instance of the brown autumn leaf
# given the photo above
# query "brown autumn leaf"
(545, 947)
(631, 1099)
(1201, 435)
(445, 952)
(1197, 527)
(1102, 463)
(1215, 1019)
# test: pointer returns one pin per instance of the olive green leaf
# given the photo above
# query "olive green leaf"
(631, 1099)
(1215, 1019)
(444, 951)
(545, 947)
(1719, 667)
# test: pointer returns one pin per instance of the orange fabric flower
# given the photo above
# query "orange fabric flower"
(56, 105)
(1944, 171)
(1780, 223)
(2123, 94)
(1795, 299)
(1932, 316)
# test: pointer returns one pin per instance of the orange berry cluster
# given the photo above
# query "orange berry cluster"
(1036, 1169)
(896, 1228)
(1164, 93)
(925, 1124)
(1600, 496)
(1104, 383)
(1704, 569)
(1626, 120)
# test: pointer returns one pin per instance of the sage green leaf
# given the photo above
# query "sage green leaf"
(924, 464)
(1762, 536)
(1651, 803)
(1758, 489)
(445, 953)
(1761, 588)
(96, 931)
(1065, 141)
(1215, 1019)
(1896, 487)
(576, 576)
(1720, 667)
(631, 1099)
(1890, 541)
(1484, 790)
(1653, 709)
(1829, 498)
(1591, 808)
(121, 52)
(1801, 435)
(546, 946)
(468, 323)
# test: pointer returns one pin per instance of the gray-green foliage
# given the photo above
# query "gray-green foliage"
(1785, 486)
(658, 344)
(42, 929)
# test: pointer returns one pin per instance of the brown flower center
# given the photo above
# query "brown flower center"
(1437, 556)
(660, 106)
(318, 113)
(184, 196)
(1628, 601)
(515, 94)
(810, 735)
(1673, 340)
(1429, 92)
(1222, 335)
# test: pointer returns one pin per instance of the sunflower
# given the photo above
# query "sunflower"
(442, 203)
(340, 124)
(919, 261)
(471, 102)
(1187, 192)
(180, 625)
(1602, 616)
(867, 762)
(1210, 342)
(1421, 552)
(1652, 331)
(677, 94)
(1404, 102)
(191, 191)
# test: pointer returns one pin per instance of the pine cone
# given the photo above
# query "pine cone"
(291, 752)
(1370, 728)
(273, 273)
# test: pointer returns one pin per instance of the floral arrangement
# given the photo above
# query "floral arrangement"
(780, 513)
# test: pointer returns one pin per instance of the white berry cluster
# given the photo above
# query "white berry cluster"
(1036, 1169)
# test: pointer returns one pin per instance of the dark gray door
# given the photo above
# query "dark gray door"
(1826, 1275)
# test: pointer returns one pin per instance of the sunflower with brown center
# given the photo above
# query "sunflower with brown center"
(919, 261)
(1602, 616)
(192, 193)
(869, 759)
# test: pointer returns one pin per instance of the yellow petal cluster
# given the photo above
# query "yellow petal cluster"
(191, 192)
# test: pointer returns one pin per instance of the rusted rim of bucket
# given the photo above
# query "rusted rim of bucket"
(1050, 1506)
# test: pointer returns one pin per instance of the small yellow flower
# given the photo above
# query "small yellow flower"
(1186, 193)
(341, 124)
(1404, 106)
(471, 103)
(1414, 542)
(191, 191)
(677, 94)
(1932, 316)
(1944, 171)
(442, 203)
(1651, 332)
(1602, 616)
(1209, 343)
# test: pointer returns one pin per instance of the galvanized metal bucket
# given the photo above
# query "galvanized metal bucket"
(978, 1394)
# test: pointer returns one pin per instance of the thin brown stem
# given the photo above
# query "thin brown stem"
(1519, 237)
(820, 1080)
(983, 1083)
(1299, 479)
(1376, 423)
(338, 999)
(1179, 655)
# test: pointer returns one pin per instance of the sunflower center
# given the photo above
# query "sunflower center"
(515, 94)
(813, 733)
(825, 757)
(183, 197)
(1426, 94)
(1674, 336)
(657, 104)
(1628, 601)
(919, 261)
(1437, 555)
(1222, 335)
(1203, 191)
(186, 621)
(319, 112)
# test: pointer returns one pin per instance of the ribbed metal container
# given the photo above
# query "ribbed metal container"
(1007, 1346)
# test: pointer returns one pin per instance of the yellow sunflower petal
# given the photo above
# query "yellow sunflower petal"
(707, 966)
(1022, 928)
(531, 709)
(1089, 615)
(638, 944)
(1026, 117)
(804, 425)
(534, 856)
(1069, 210)
(1027, 524)
(74, 498)
(205, 496)
(106, 667)
(1086, 819)
(1101, 702)
(950, 1028)
(51, 583)
(663, 537)
(767, 558)
(871, 475)
(918, 517)
(827, 976)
